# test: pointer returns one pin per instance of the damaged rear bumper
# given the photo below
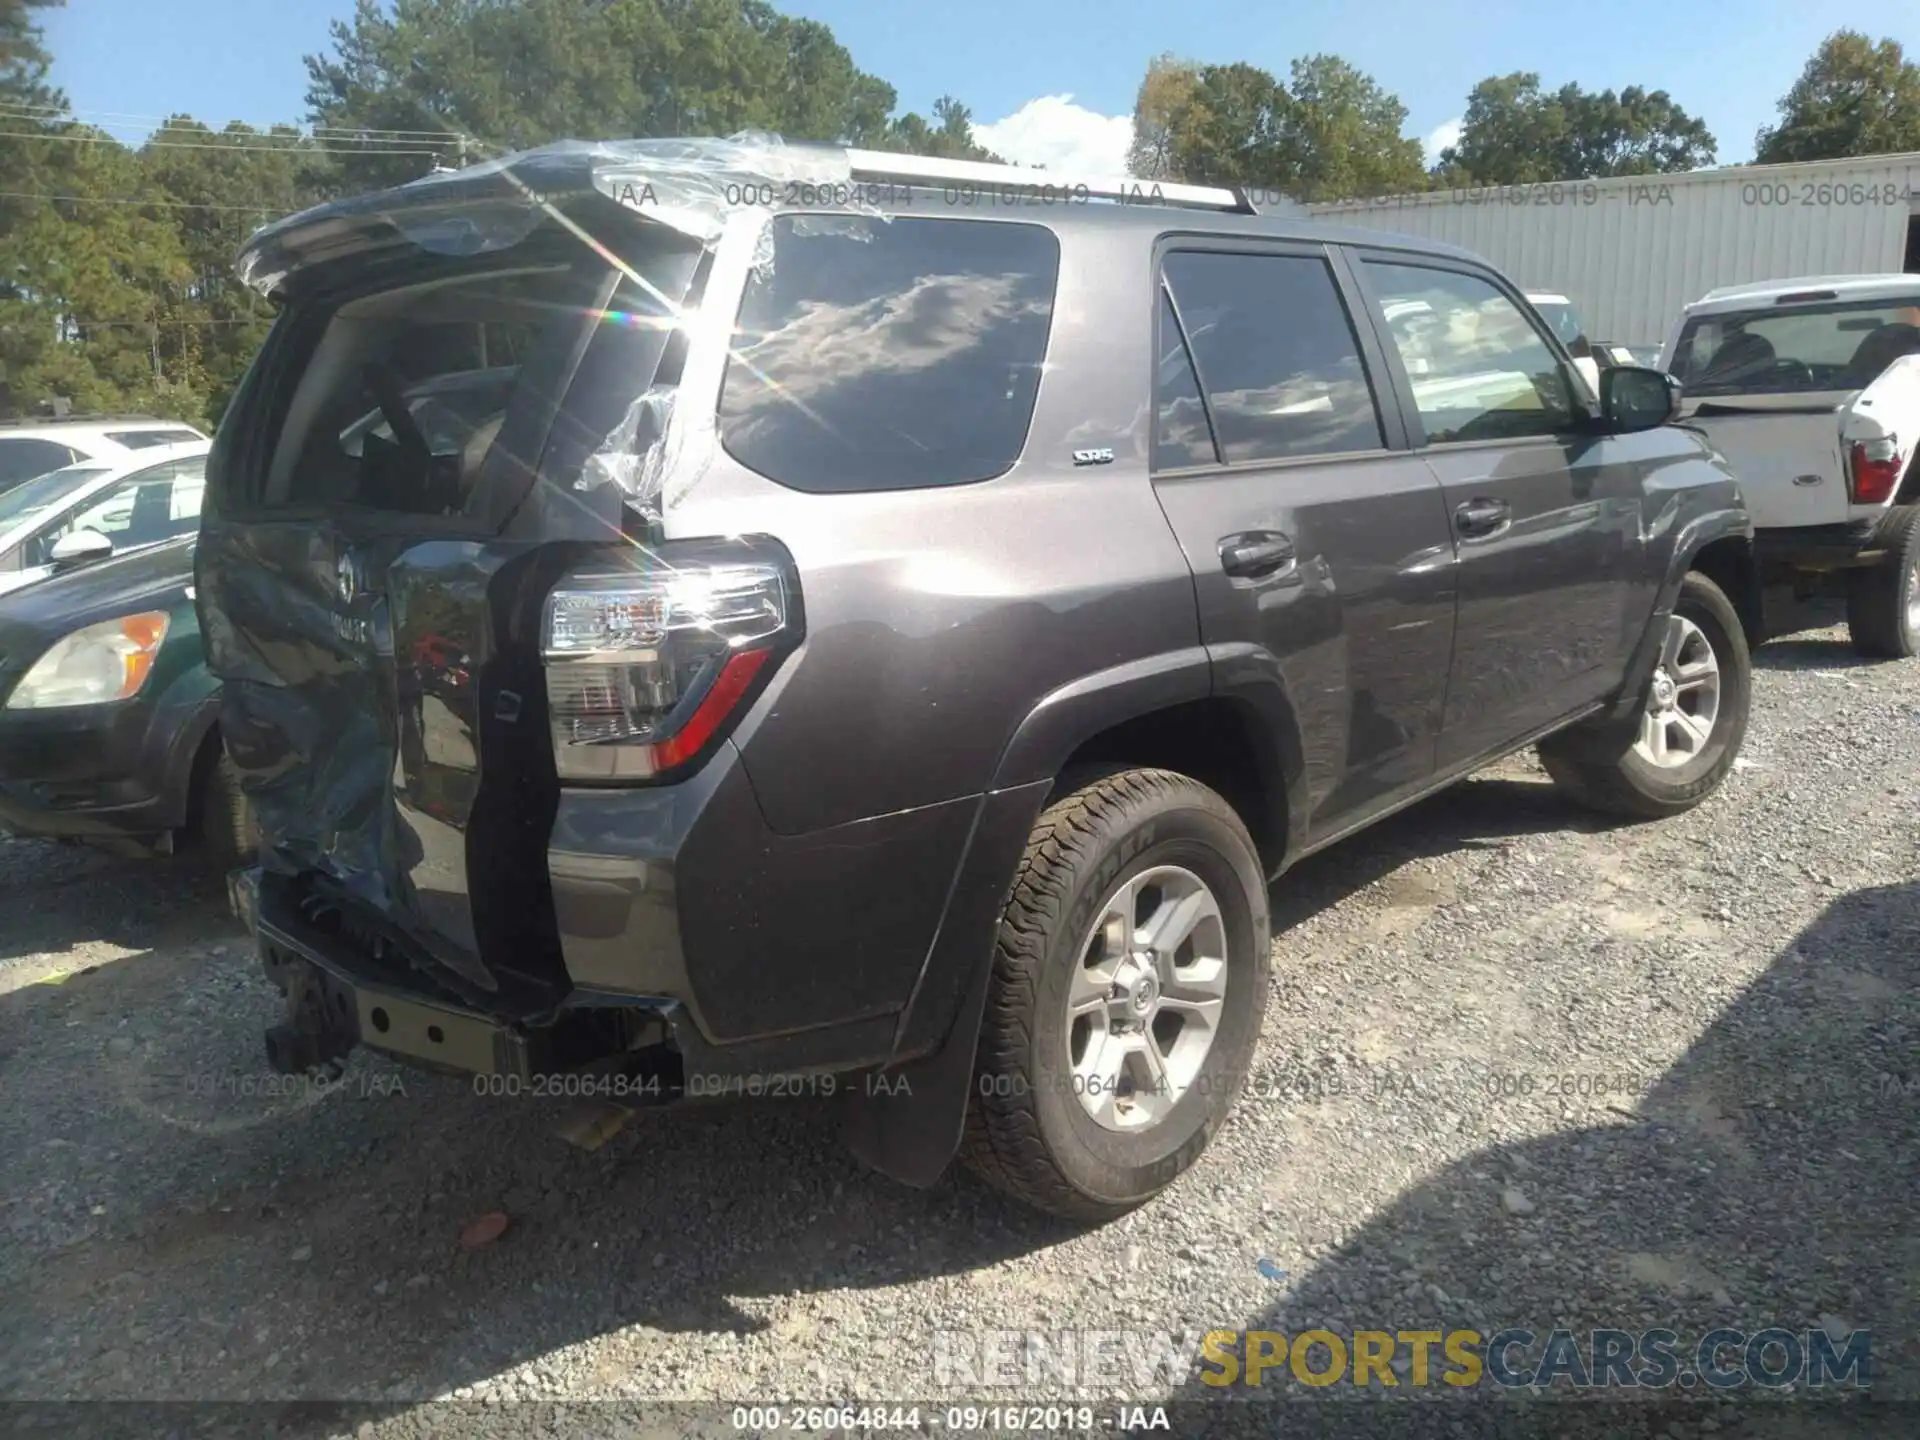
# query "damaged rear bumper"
(339, 997)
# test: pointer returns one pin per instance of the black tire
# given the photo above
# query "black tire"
(1878, 595)
(1027, 1132)
(1598, 766)
(223, 830)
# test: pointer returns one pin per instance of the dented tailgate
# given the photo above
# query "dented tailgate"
(432, 432)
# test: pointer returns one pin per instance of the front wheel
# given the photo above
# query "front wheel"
(223, 819)
(1692, 719)
(1129, 978)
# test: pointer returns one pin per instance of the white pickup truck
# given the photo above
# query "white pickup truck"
(1810, 389)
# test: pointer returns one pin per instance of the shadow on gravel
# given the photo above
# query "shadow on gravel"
(1812, 654)
(1483, 812)
(1792, 648)
(1768, 1179)
(54, 898)
(185, 1225)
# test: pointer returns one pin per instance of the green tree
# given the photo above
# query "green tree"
(1332, 134)
(1161, 110)
(98, 306)
(949, 137)
(1514, 133)
(1855, 97)
(200, 177)
(1341, 135)
(471, 77)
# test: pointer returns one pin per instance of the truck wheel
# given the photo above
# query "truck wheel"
(1129, 978)
(1690, 726)
(223, 820)
(1883, 600)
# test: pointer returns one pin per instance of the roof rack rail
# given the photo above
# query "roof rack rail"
(882, 165)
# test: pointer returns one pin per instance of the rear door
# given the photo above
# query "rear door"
(366, 604)
(1545, 511)
(1319, 544)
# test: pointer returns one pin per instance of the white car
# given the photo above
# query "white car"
(100, 508)
(1811, 390)
(31, 448)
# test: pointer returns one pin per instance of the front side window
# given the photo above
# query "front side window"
(1809, 348)
(44, 494)
(886, 355)
(1276, 354)
(162, 503)
(1478, 368)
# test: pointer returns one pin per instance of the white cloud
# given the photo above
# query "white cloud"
(1442, 136)
(1054, 132)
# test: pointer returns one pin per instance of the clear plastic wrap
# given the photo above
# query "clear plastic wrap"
(691, 185)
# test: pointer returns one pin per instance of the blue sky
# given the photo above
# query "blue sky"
(1053, 80)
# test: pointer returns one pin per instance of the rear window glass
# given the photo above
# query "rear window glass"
(444, 393)
(1806, 348)
(147, 439)
(882, 355)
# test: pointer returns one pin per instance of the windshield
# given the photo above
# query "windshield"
(1807, 349)
(37, 496)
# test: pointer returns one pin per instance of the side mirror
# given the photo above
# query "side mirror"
(1634, 397)
(77, 547)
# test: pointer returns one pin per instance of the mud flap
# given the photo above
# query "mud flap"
(906, 1121)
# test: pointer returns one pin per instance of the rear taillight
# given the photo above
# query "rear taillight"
(1873, 469)
(651, 653)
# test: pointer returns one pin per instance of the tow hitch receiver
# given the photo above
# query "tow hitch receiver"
(327, 1015)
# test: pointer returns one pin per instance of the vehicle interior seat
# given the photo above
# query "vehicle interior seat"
(1744, 357)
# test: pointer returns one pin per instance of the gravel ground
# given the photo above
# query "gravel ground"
(1519, 1068)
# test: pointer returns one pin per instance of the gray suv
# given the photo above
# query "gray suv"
(882, 625)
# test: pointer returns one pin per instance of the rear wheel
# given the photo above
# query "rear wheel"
(1679, 747)
(1129, 977)
(1883, 600)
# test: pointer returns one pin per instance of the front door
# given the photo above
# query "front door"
(1546, 512)
(1319, 543)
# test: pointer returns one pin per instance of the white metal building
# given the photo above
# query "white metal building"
(1631, 251)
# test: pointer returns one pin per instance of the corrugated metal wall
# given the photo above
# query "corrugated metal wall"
(1630, 252)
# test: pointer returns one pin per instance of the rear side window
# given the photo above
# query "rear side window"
(24, 458)
(885, 355)
(1276, 354)
(1181, 434)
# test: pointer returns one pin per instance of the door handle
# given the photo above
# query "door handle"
(1255, 553)
(1480, 517)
